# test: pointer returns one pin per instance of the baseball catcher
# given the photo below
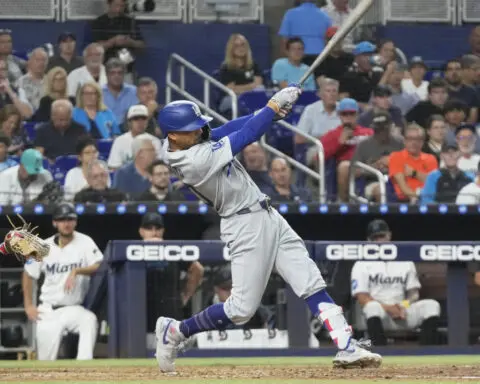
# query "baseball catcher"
(22, 242)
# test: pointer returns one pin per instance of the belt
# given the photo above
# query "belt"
(264, 204)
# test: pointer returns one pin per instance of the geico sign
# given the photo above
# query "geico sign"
(163, 252)
(450, 252)
(361, 252)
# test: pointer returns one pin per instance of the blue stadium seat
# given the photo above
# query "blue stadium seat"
(20, 54)
(331, 179)
(249, 102)
(62, 165)
(30, 130)
(300, 154)
(104, 146)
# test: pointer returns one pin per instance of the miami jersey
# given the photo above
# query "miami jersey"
(385, 281)
(81, 252)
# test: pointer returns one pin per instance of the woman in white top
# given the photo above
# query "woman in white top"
(75, 180)
(416, 84)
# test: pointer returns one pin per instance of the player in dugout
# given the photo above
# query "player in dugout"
(388, 292)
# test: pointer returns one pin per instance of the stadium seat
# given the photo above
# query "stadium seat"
(30, 129)
(104, 146)
(62, 165)
(300, 154)
(249, 102)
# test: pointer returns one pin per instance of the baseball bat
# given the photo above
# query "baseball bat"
(350, 23)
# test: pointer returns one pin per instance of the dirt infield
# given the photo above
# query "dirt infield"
(454, 373)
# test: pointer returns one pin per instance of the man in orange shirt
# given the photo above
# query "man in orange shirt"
(409, 168)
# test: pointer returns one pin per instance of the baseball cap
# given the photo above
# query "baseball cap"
(382, 91)
(347, 105)
(377, 227)
(381, 119)
(64, 211)
(65, 36)
(449, 146)
(331, 32)
(152, 219)
(32, 161)
(365, 47)
(137, 111)
(417, 60)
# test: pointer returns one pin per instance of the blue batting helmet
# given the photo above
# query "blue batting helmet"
(183, 116)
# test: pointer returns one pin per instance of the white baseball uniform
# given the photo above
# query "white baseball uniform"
(60, 311)
(259, 240)
(387, 282)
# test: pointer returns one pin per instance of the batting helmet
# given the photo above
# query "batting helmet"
(64, 211)
(182, 116)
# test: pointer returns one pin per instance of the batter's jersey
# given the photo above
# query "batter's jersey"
(212, 172)
(81, 252)
(385, 281)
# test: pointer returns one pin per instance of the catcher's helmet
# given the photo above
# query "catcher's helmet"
(182, 116)
(64, 211)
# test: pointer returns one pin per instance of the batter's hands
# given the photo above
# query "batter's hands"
(284, 99)
(70, 283)
(32, 313)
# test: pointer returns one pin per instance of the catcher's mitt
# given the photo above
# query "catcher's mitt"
(24, 243)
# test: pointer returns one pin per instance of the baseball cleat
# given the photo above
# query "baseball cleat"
(169, 338)
(358, 357)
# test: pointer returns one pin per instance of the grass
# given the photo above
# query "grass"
(407, 361)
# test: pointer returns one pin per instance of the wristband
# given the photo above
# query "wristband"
(273, 105)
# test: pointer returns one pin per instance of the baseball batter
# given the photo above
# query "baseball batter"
(388, 292)
(258, 237)
(72, 258)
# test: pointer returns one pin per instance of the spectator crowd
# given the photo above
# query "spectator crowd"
(84, 128)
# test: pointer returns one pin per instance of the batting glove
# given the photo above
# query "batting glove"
(283, 100)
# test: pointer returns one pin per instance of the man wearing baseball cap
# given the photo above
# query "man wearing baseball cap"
(121, 151)
(24, 182)
(340, 143)
(444, 184)
(382, 101)
(375, 151)
(388, 293)
(360, 79)
(416, 83)
(66, 56)
(168, 293)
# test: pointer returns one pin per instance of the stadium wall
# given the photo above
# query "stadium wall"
(202, 44)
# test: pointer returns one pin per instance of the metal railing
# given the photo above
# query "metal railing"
(368, 169)
(205, 104)
(207, 81)
(320, 176)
